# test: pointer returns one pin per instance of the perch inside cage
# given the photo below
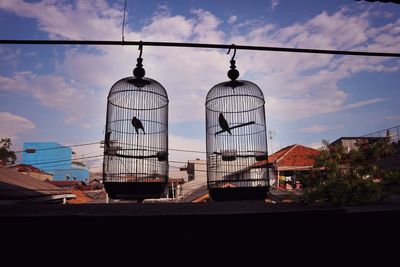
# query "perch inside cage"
(236, 140)
(136, 138)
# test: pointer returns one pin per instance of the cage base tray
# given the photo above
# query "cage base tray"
(237, 194)
(134, 190)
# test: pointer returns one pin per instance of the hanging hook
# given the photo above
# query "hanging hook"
(140, 48)
(233, 73)
(234, 51)
(139, 72)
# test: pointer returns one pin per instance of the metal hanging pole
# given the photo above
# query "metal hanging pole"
(202, 45)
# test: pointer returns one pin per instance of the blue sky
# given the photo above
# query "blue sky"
(58, 93)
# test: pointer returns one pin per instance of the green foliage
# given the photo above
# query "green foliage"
(391, 182)
(7, 156)
(354, 177)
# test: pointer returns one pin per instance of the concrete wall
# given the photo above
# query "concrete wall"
(55, 159)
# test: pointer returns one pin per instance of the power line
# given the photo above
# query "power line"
(59, 147)
(203, 45)
(93, 143)
(55, 161)
(173, 161)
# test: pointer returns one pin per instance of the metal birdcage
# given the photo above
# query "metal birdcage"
(236, 140)
(136, 138)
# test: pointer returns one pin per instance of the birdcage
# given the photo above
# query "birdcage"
(237, 156)
(136, 138)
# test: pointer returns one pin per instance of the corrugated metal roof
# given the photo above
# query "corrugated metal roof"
(18, 186)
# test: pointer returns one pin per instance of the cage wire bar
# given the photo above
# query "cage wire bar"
(136, 138)
(236, 140)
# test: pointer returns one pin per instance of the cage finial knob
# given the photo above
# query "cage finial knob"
(139, 72)
(233, 73)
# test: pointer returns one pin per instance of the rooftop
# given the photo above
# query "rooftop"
(292, 156)
(15, 186)
(28, 168)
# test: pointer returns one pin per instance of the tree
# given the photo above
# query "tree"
(354, 177)
(7, 156)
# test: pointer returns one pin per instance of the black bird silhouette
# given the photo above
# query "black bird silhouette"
(107, 139)
(224, 124)
(137, 124)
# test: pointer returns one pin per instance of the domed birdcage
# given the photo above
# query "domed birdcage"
(236, 138)
(136, 138)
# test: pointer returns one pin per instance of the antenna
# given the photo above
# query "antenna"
(123, 23)
(271, 134)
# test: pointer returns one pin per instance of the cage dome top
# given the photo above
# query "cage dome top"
(240, 88)
(145, 85)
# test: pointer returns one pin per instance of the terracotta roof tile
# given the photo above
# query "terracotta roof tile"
(63, 183)
(299, 156)
(294, 155)
(80, 197)
(28, 168)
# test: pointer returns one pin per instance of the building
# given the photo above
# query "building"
(33, 172)
(350, 143)
(54, 159)
(197, 170)
(390, 162)
(196, 179)
(176, 179)
(16, 187)
(284, 163)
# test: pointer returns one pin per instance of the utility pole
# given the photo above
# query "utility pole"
(271, 134)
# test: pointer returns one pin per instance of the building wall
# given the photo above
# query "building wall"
(200, 170)
(178, 174)
(52, 158)
(199, 174)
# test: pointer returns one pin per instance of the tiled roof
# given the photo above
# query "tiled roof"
(80, 197)
(63, 183)
(278, 154)
(293, 156)
(299, 156)
(28, 168)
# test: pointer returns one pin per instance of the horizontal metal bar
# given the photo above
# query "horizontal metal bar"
(202, 45)
(236, 126)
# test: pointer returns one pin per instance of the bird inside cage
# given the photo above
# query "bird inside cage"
(137, 123)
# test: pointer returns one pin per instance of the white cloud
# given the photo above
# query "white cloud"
(393, 117)
(55, 93)
(232, 19)
(274, 4)
(206, 27)
(89, 20)
(296, 86)
(320, 128)
(364, 103)
(12, 125)
(185, 143)
(175, 28)
(315, 145)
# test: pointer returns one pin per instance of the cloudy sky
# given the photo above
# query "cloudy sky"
(58, 93)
